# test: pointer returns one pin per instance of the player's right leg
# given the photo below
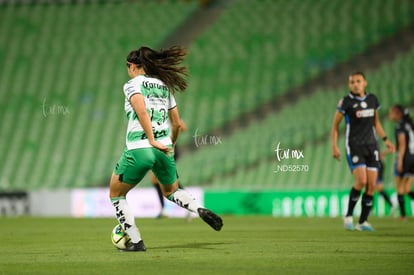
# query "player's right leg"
(359, 173)
(129, 171)
(367, 200)
(125, 217)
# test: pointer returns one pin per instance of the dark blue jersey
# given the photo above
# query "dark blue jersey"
(404, 127)
(359, 115)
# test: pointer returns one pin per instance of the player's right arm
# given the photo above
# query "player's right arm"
(334, 134)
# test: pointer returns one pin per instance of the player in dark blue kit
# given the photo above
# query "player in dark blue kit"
(360, 110)
(404, 163)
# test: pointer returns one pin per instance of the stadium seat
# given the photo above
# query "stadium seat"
(63, 67)
(305, 125)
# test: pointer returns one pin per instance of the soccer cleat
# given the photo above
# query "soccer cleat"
(134, 247)
(349, 223)
(365, 226)
(210, 218)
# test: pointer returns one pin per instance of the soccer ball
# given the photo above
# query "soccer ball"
(119, 238)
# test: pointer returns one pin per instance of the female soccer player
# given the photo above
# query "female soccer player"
(404, 163)
(360, 110)
(153, 128)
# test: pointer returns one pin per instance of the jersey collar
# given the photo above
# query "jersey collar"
(352, 95)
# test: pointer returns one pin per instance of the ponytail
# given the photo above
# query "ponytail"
(162, 64)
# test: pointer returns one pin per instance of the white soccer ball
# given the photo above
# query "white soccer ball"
(119, 238)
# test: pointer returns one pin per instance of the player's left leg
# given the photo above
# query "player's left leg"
(367, 199)
(180, 196)
(165, 170)
(184, 199)
(380, 189)
(157, 187)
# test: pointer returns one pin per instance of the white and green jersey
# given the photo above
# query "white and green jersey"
(158, 100)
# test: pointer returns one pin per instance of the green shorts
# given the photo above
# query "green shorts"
(134, 165)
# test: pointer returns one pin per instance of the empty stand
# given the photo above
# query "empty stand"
(62, 71)
(259, 49)
(249, 153)
(63, 67)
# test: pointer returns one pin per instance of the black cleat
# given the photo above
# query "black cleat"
(212, 219)
(134, 247)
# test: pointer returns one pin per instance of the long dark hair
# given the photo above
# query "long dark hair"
(162, 64)
(405, 114)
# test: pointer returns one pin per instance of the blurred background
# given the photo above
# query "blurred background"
(265, 78)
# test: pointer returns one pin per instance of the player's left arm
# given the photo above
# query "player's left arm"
(175, 124)
(381, 133)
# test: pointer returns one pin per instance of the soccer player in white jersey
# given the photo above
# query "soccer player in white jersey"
(151, 110)
(360, 110)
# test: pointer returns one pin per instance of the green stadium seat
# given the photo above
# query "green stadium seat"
(70, 56)
(305, 124)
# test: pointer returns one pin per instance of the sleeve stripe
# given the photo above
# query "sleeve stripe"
(340, 110)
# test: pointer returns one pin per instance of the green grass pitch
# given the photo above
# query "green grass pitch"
(246, 245)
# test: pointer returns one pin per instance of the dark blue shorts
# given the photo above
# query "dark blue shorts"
(408, 167)
(363, 156)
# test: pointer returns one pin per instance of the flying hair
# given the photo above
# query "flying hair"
(162, 64)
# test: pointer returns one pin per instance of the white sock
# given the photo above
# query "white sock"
(126, 219)
(185, 200)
